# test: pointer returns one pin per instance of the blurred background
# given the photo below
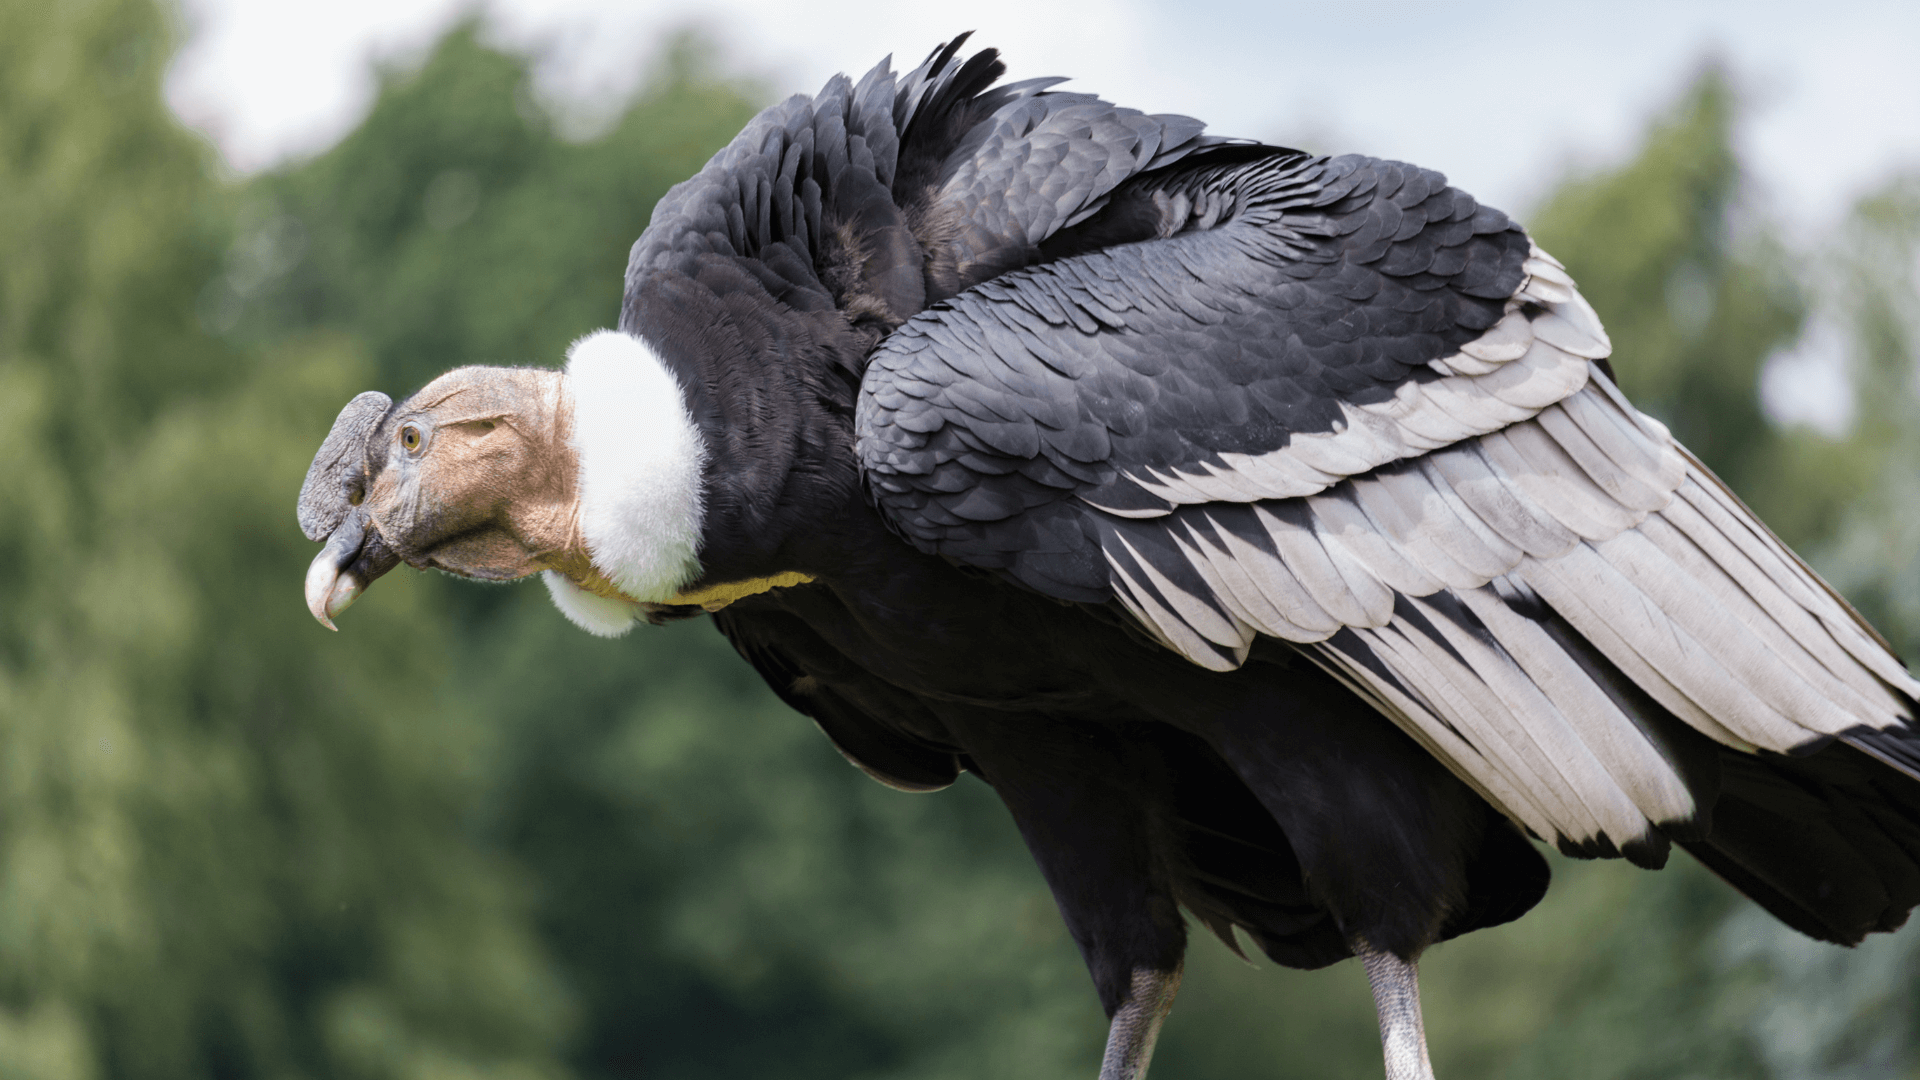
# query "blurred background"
(463, 840)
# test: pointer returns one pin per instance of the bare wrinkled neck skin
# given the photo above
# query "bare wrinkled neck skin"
(491, 491)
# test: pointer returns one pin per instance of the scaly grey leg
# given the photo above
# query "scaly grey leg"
(1396, 996)
(1136, 1024)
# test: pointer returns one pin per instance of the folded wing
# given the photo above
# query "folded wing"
(1339, 404)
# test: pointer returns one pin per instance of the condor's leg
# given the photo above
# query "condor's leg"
(1394, 847)
(1396, 997)
(1135, 1026)
(1085, 803)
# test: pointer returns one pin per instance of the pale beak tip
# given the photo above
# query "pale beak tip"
(328, 591)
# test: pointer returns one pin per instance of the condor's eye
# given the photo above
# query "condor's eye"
(410, 437)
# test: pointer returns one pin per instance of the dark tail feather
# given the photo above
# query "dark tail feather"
(1829, 843)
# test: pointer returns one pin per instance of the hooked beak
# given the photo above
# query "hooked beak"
(354, 556)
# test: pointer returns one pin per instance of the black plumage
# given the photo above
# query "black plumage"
(1059, 300)
(1265, 528)
(1331, 299)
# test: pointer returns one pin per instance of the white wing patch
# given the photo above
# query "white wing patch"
(1520, 366)
(1414, 585)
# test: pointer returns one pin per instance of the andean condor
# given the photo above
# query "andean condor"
(1266, 529)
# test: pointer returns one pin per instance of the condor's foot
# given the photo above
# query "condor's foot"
(1136, 1024)
(1396, 996)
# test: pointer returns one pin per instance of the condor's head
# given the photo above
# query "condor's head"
(591, 476)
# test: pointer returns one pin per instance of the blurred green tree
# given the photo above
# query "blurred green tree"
(1875, 294)
(231, 847)
(1826, 1013)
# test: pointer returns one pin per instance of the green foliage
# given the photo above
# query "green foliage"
(230, 847)
(461, 839)
(1876, 556)
(455, 226)
(727, 892)
(1860, 1011)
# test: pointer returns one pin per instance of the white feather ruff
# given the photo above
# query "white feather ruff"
(597, 615)
(641, 458)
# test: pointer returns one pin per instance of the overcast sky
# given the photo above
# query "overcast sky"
(1502, 95)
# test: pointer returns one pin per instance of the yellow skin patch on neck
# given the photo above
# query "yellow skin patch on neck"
(715, 597)
(712, 598)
